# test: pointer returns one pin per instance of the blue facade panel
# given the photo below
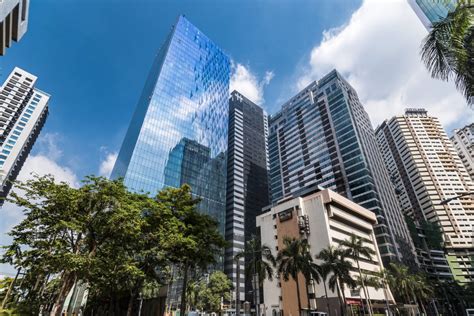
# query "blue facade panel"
(178, 133)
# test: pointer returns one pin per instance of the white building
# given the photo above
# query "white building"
(325, 218)
(23, 111)
(13, 22)
(427, 172)
(463, 140)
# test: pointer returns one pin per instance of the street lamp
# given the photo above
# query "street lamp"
(444, 202)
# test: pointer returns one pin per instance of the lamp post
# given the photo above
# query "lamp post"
(444, 202)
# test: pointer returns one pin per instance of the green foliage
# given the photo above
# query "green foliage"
(218, 288)
(413, 232)
(117, 242)
(434, 236)
(295, 258)
(448, 50)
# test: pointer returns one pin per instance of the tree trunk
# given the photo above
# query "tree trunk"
(307, 295)
(298, 294)
(182, 309)
(66, 286)
(327, 298)
(341, 301)
(365, 290)
(237, 290)
(130, 303)
(10, 288)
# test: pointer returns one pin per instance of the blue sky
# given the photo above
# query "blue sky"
(93, 56)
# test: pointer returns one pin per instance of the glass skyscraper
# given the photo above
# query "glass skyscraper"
(430, 11)
(178, 133)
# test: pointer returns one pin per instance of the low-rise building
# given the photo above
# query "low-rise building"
(324, 218)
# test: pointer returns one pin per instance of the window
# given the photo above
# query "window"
(24, 5)
(16, 133)
(8, 147)
(26, 115)
(24, 119)
(14, 137)
(11, 142)
(5, 151)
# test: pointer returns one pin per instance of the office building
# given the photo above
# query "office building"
(178, 133)
(431, 11)
(323, 136)
(432, 183)
(13, 22)
(247, 184)
(23, 109)
(463, 140)
(324, 218)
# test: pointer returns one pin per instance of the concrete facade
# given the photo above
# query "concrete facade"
(463, 141)
(426, 170)
(13, 22)
(23, 112)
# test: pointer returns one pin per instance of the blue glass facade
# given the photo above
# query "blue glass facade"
(436, 10)
(178, 133)
(430, 11)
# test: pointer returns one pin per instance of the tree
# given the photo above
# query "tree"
(356, 249)
(409, 287)
(215, 291)
(295, 258)
(448, 50)
(335, 263)
(259, 264)
(102, 235)
(201, 241)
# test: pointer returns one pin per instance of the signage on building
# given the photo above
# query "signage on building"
(285, 215)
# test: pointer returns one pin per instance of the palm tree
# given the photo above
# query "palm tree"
(355, 248)
(370, 281)
(400, 281)
(336, 264)
(422, 291)
(448, 50)
(259, 264)
(411, 287)
(295, 258)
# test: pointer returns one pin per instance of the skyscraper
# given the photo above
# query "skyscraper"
(178, 133)
(430, 11)
(23, 110)
(247, 184)
(13, 22)
(463, 141)
(323, 136)
(427, 172)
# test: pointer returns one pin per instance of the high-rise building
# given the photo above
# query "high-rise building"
(178, 133)
(323, 136)
(23, 110)
(463, 140)
(324, 218)
(247, 184)
(13, 22)
(432, 183)
(431, 11)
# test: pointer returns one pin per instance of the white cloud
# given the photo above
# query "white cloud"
(378, 53)
(107, 164)
(45, 162)
(248, 84)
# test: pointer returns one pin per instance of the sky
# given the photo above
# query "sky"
(93, 57)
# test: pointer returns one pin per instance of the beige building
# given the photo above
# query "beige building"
(463, 141)
(325, 218)
(432, 183)
(13, 22)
